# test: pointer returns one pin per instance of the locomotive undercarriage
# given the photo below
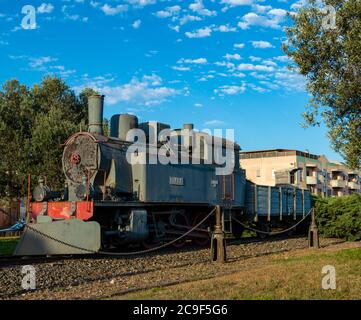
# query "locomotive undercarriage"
(125, 225)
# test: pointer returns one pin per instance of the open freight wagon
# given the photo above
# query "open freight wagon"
(279, 203)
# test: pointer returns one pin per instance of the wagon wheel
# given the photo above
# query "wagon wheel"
(181, 219)
(151, 243)
(201, 241)
(265, 228)
(155, 238)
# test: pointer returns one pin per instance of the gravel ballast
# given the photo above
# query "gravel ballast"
(101, 277)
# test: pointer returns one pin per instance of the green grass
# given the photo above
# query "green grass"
(341, 256)
(8, 245)
(288, 276)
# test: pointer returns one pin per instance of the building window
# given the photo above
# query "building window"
(292, 178)
(301, 175)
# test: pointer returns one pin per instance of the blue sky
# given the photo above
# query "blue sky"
(217, 64)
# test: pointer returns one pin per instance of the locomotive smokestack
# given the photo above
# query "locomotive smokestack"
(95, 111)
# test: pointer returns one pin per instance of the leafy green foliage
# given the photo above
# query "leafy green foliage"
(34, 122)
(339, 217)
(8, 245)
(331, 61)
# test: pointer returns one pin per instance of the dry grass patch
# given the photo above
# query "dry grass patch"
(294, 275)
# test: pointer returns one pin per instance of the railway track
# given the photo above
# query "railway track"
(64, 274)
(9, 260)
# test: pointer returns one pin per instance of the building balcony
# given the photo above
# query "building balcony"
(338, 183)
(354, 185)
(311, 181)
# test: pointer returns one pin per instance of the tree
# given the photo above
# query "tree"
(325, 44)
(16, 118)
(62, 113)
(34, 122)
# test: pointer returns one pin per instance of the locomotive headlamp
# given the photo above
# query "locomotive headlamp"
(84, 190)
(42, 192)
(81, 191)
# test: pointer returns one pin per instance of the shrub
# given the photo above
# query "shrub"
(339, 217)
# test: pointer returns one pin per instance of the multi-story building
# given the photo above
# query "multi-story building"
(302, 169)
(354, 181)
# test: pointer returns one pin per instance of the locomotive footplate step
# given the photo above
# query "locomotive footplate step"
(60, 237)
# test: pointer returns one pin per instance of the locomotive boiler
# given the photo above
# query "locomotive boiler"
(168, 183)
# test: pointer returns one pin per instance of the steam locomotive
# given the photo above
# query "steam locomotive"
(147, 184)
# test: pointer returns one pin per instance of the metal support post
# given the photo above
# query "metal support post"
(218, 245)
(313, 239)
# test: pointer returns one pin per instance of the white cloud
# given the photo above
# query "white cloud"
(45, 8)
(205, 78)
(112, 11)
(231, 89)
(261, 9)
(189, 18)
(262, 44)
(255, 59)
(278, 13)
(145, 91)
(214, 123)
(239, 45)
(283, 58)
(175, 28)
(141, 3)
(269, 63)
(163, 14)
(73, 17)
(199, 8)
(200, 33)
(272, 19)
(38, 63)
(43, 64)
(235, 3)
(298, 4)
(258, 88)
(180, 68)
(259, 76)
(226, 28)
(136, 24)
(238, 75)
(193, 61)
(227, 64)
(290, 80)
(252, 67)
(198, 105)
(168, 12)
(235, 56)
